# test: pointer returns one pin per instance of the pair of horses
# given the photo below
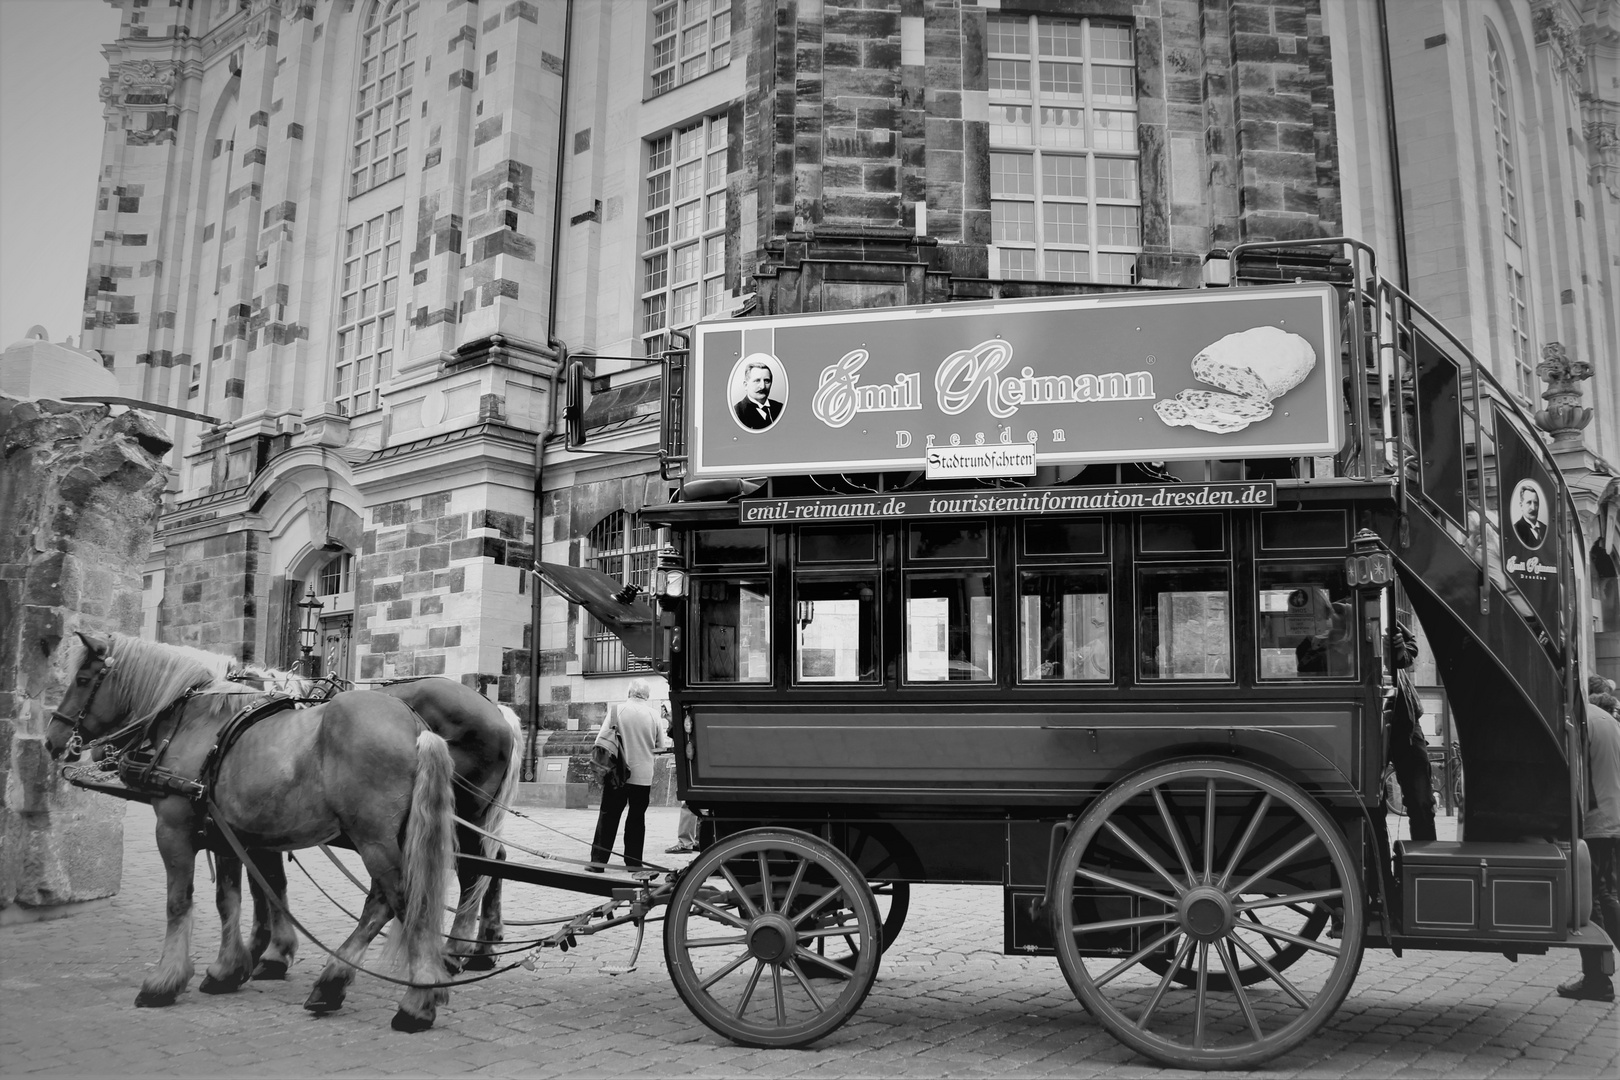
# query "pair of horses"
(385, 771)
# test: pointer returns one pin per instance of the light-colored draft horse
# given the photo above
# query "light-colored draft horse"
(359, 769)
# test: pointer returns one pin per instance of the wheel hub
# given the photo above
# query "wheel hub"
(1206, 913)
(771, 939)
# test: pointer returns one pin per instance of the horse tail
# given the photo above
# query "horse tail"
(427, 855)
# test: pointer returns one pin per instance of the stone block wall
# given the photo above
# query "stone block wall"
(857, 112)
(214, 592)
(79, 494)
(443, 585)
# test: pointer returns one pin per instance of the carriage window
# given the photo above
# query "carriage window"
(949, 540)
(1063, 536)
(732, 622)
(745, 547)
(836, 628)
(1185, 626)
(1177, 534)
(1063, 626)
(948, 632)
(837, 543)
(1307, 626)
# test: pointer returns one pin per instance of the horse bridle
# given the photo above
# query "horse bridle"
(76, 743)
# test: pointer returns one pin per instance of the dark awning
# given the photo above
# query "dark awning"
(599, 594)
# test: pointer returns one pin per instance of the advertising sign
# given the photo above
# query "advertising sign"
(1252, 494)
(996, 388)
(1530, 552)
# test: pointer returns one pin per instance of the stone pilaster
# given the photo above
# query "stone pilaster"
(79, 494)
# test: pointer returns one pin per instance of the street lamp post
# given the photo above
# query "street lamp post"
(310, 633)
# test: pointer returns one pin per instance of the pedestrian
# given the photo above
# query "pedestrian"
(1596, 982)
(636, 724)
(686, 834)
(1405, 745)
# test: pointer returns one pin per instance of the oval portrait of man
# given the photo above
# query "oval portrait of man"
(759, 392)
(1529, 513)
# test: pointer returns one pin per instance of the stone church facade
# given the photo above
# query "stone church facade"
(363, 238)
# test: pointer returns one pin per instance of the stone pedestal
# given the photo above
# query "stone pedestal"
(79, 494)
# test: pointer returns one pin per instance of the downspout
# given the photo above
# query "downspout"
(1394, 147)
(561, 353)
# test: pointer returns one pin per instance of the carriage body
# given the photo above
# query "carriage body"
(1076, 679)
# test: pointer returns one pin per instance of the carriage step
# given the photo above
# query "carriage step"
(625, 969)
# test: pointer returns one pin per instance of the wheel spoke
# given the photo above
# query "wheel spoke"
(720, 913)
(1229, 963)
(1121, 924)
(1202, 1003)
(709, 943)
(793, 885)
(804, 984)
(1243, 841)
(781, 1000)
(798, 920)
(748, 991)
(1164, 983)
(1209, 829)
(1282, 935)
(1278, 861)
(723, 972)
(1125, 886)
(1148, 860)
(1290, 900)
(742, 895)
(764, 882)
(1175, 833)
(1276, 976)
(1132, 960)
(832, 966)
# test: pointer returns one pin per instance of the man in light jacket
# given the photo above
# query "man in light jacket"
(636, 723)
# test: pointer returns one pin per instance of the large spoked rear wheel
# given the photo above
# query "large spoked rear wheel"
(742, 933)
(1180, 883)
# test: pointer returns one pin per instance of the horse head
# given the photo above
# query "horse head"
(77, 716)
(120, 679)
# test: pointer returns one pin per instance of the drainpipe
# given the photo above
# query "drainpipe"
(1394, 146)
(561, 353)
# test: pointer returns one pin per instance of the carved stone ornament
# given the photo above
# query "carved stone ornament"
(1603, 149)
(1552, 28)
(1564, 416)
(141, 84)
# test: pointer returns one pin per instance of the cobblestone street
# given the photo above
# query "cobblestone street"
(947, 1003)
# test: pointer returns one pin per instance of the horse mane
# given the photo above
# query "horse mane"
(150, 675)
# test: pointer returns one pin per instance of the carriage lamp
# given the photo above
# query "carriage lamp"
(669, 578)
(1370, 565)
(310, 632)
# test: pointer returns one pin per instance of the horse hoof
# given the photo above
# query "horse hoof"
(454, 965)
(269, 969)
(211, 985)
(322, 1000)
(480, 962)
(404, 1021)
(153, 999)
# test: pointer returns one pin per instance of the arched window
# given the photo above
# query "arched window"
(368, 283)
(624, 549)
(1517, 300)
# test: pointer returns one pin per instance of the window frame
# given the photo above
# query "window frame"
(1516, 287)
(367, 331)
(623, 547)
(1035, 99)
(394, 81)
(683, 228)
(674, 55)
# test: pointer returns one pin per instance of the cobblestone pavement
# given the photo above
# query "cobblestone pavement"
(947, 1003)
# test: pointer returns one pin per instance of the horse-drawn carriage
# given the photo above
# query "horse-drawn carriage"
(1086, 599)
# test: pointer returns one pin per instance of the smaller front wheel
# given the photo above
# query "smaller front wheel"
(744, 931)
